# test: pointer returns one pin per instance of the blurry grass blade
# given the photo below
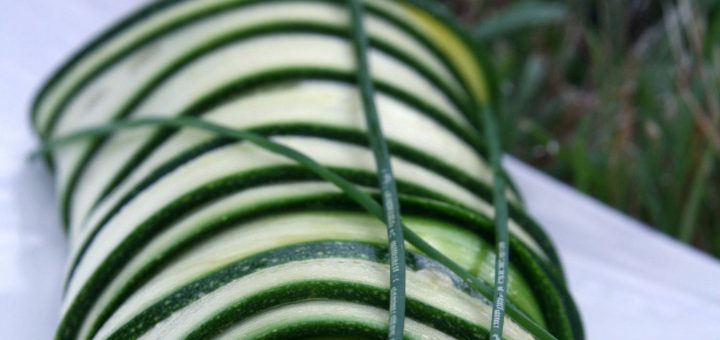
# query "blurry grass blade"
(699, 187)
(613, 21)
(533, 76)
(651, 198)
(520, 101)
(520, 16)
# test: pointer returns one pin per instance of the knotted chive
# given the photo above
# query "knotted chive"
(360, 197)
(501, 223)
(386, 180)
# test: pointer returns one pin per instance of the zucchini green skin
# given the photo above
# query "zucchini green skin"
(337, 134)
(332, 133)
(369, 295)
(257, 80)
(242, 86)
(264, 30)
(548, 293)
(147, 13)
(238, 88)
(224, 187)
(275, 28)
(297, 292)
(548, 286)
(326, 328)
(248, 84)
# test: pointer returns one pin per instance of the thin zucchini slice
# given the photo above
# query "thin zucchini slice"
(180, 233)
(328, 103)
(177, 86)
(310, 264)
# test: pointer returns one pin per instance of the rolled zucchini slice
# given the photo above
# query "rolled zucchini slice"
(183, 234)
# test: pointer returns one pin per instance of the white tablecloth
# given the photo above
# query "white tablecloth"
(629, 281)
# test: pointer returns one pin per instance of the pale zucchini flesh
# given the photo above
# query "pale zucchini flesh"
(164, 224)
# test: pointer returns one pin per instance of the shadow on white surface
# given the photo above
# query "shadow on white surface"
(36, 255)
(629, 281)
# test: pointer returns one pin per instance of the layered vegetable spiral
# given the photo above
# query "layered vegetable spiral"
(183, 233)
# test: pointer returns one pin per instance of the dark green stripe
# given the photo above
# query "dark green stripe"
(290, 27)
(573, 314)
(312, 130)
(204, 13)
(337, 134)
(353, 193)
(412, 206)
(240, 87)
(256, 177)
(210, 282)
(332, 133)
(191, 202)
(400, 150)
(343, 291)
(440, 12)
(325, 328)
(237, 87)
(289, 293)
(95, 43)
(432, 47)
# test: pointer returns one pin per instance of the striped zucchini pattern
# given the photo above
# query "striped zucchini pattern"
(178, 233)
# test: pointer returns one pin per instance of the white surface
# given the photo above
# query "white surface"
(630, 282)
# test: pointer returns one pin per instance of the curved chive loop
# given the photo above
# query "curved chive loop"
(501, 224)
(388, 188)
(360, 197)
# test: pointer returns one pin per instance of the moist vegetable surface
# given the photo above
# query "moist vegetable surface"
(180, 231)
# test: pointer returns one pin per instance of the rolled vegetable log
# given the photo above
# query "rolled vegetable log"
(185, 233)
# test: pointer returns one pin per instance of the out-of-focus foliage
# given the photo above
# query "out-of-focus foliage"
(619, 98)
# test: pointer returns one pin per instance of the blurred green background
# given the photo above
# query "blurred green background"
(618, 98)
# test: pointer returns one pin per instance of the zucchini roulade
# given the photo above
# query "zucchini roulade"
(212, 160)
